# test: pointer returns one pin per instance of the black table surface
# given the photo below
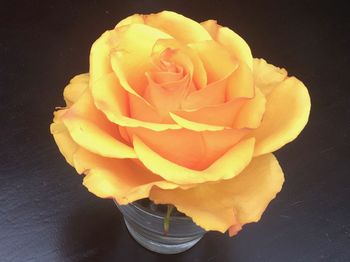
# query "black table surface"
(47, 215)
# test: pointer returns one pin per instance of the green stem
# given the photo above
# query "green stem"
(166, 223)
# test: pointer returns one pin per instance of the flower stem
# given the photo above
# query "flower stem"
(166, 222)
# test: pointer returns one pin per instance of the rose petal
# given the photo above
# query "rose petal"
(141, 111)
(109, 96)
(206, 216)
(133, 19)
(121, 179)
(222, 115)
(173, 24)
(212, 27)
(252, 112)
(100, 64)
(198, 204)
(166, 77)
(112, 100)
(199, 74)
(228, 203)
(212, 94)
(233, 230)
(194, 150)
(254, 188)
(131, 57)
(95, 139)
(166, 97)
(64, 141)
(188, 150)
(240, 83)
(267, 76)
(195, 126)
(168, 54)
(226, 167)
(90, 129)
(124, 134)
(235, 44)
(219, 142)
(287, 112)
(75, 89)
(216, 60)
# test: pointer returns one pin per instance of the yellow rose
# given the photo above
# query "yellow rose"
(180, 112)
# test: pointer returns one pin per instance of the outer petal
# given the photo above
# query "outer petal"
(254, 188)
(267, 76)
(93, 138)
(287, 112)
(90, 129)
(133, 19)
(76, 88)
(226, 167)
(228, 203)
(231, 41)
(123, 180)
(173, 24)
(64, 141)
(100, 64)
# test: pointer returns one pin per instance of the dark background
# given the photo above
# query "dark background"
(47, 215)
